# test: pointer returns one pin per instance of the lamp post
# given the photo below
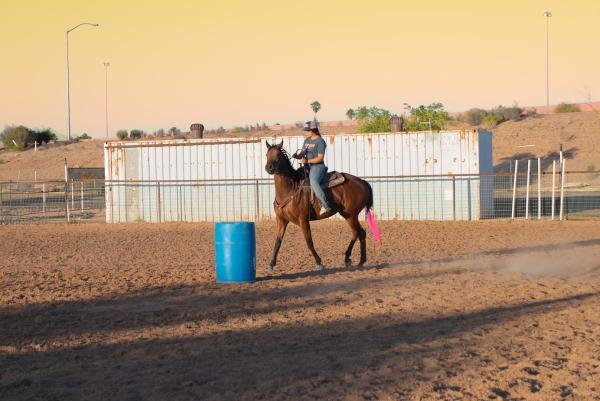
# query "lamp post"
(547, 14)
(106, 65)
(68, 80)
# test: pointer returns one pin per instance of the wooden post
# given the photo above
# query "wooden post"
(67, 216)
(553, 187)
(562, 189)
(539, 189)
(72, 195)
(527, 190)
(81, 197)
(514, 197)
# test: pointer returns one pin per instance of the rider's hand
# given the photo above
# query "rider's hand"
(305, 161)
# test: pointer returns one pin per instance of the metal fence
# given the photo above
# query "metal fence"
(574, 195)
(51, 201)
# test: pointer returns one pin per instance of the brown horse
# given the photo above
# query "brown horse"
(293, 204)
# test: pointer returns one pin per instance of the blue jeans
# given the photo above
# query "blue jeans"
(316, 175)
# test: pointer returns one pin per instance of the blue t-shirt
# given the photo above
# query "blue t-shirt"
(314, 147)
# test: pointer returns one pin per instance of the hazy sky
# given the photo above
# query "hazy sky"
(235, 62)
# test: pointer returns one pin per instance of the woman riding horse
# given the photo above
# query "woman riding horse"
(314, 155)
(292, 203)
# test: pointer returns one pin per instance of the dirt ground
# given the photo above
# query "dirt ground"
(442, 311)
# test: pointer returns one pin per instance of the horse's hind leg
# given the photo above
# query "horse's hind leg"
(362, 236)
(355, 226)
(305, 226)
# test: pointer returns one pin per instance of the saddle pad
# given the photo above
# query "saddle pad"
(332, 179)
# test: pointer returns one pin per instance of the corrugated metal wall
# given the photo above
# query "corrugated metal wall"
(213, 180)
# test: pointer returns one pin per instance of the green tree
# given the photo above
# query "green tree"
(16, 138)
(350, 114)
(372, 119)
(122, 134)
(315, 107)
(433, 116)
(136, 133)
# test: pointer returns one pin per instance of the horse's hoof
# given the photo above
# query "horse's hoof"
(270, 270)
(348, 263)
(320, 268)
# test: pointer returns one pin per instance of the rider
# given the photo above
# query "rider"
(314, 153)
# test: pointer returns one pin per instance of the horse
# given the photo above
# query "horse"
(293, 204)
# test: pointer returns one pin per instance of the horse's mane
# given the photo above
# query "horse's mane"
(290, 171)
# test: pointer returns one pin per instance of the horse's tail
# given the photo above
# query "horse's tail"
(372, 223)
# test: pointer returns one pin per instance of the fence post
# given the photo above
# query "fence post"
(453, 197)
(553, 187)
(257, 201)
(67, 193)
(527, 190)
(539, 189)
(562, 189)
(159, 212)
(82, 197)
(44, 189)
(1, 204)
(67, 202)
(514, 197)
(72, 195)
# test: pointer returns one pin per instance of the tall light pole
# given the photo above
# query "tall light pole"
(68, 80)
(106, 65)
(547, 14)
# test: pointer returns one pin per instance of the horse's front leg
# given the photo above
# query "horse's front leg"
(281, 226)
(305, 226)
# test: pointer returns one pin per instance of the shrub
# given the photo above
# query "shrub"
(21, 137)
(434, 114)
(491, 120)
(44, 135)
(567, 108)
(174, 131)
(136, 133)
(507, 113)
(373, 119)
(16, 138)
(474, 116)
(2, 161)
(122, 134)
(591, 167)
(237, 130)
(83, 136)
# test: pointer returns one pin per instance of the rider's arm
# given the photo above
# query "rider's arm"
(317, 159)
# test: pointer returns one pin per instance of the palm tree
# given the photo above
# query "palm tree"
(315, 106)
(350, 114)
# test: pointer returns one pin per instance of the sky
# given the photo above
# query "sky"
(227, 63)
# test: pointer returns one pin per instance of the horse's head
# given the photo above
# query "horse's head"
(275, 158)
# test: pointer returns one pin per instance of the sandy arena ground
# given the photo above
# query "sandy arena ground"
(442, 311)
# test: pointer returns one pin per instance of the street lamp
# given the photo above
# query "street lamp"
(68, 80)
(106, 65)
(547, 14)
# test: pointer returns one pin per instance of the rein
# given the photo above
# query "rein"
(299, 183)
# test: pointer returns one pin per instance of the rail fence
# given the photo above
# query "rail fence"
(572, 195)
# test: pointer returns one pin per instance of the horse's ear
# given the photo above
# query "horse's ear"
(268, 144)
(280, 146)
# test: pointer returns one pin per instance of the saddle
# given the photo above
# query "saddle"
(332, 179)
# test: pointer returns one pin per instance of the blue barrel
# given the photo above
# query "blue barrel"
(235, 252)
